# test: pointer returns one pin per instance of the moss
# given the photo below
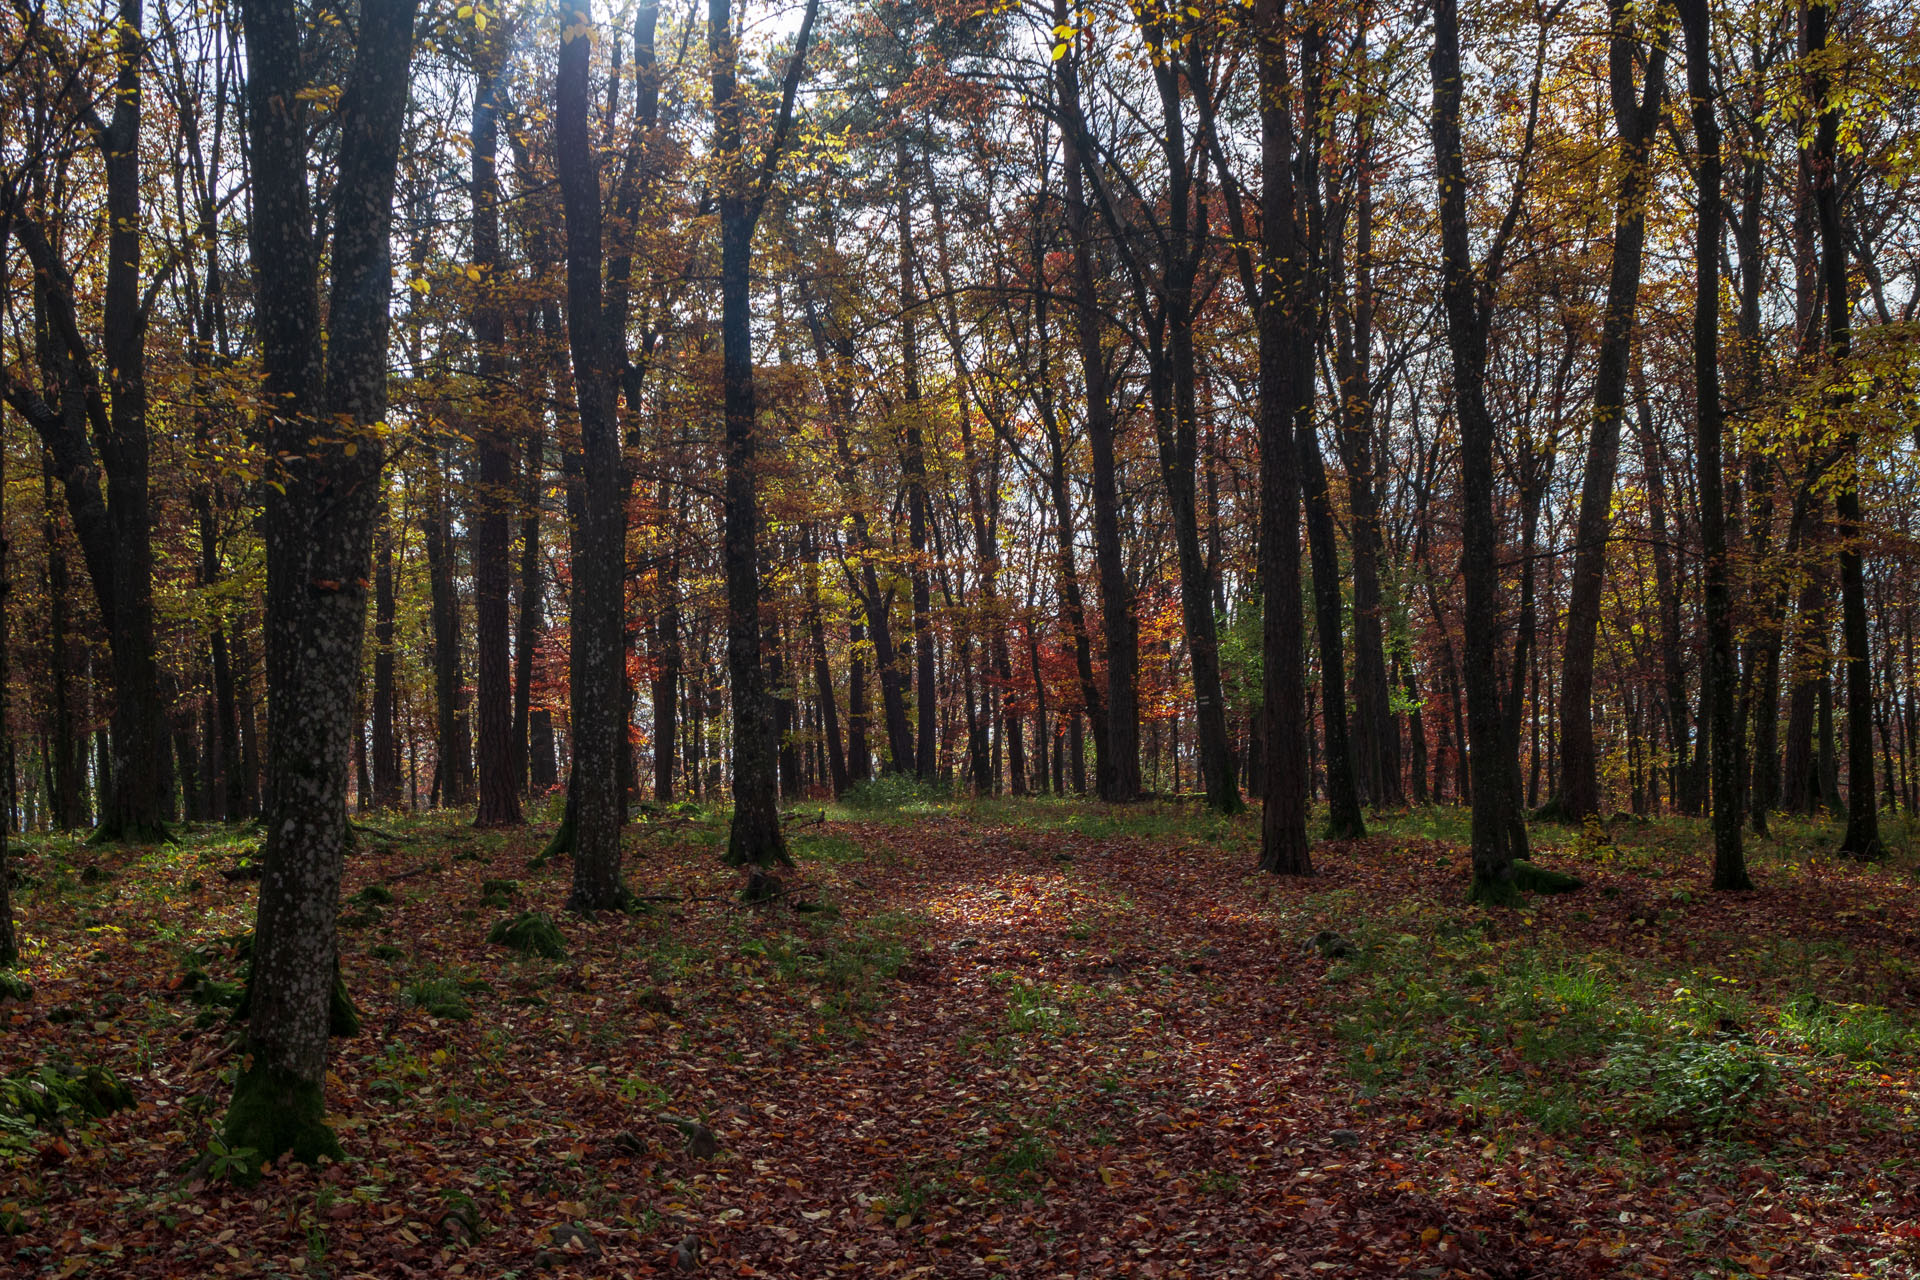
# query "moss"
(531, 934)
(343, 1017)
(274, 1113)
(51, 1093)
(1531, 878)
(374, 894)
(15, 987)
(441, 997)
(1495, 890)
(499, 886)
(386, 951)
(131, 833)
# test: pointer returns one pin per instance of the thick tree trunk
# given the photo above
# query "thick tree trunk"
(319, 520)
(1283, 302)
(755, 840)
(598, 682)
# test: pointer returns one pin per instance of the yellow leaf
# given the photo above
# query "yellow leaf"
(1059, 52)
(479, 22)
(464, 11)
(351, 449)
(419, 285)
(1429, 1235)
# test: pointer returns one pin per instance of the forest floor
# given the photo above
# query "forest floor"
(1022, 1038)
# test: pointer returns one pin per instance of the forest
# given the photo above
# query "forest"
(959, 637)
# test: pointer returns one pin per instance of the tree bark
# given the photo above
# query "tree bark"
(499, 780)
(1721, 671)
(1635, 117)
(319, 518)
(1467, 295)
(597, 596)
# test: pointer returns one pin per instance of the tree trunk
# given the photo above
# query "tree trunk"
(318, 521)
(1118, 760)
(1285, 347)
(386, 741)
(1721, 671)
(527, 628)
(1468, 306)
(1862, 839)
(597, 595)
(822, 674)
(1634, 120)
(453, 748)
(755, 839)
(499, 779)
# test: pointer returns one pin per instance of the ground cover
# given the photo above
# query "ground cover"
(1033, 1038)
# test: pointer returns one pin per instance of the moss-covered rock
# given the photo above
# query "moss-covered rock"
(374, 895)
(531, 933)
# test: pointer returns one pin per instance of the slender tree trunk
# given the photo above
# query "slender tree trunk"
(1721, 672)
(499, 777)
(914, 467)
(453, 748)
(1634, 120)
(527, 628)
(1468, 307)
(1862, 839)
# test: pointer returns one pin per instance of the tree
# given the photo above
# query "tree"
(1729, 866)
(1636, 113)
(325, 406)
(1499, 839)
(754, 840)
(96, 408)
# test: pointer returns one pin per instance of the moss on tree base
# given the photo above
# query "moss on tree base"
(1531, 878)
(274, 1112)
(131, 833)
(1500, 891)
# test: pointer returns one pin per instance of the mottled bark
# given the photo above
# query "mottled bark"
(322, 401)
